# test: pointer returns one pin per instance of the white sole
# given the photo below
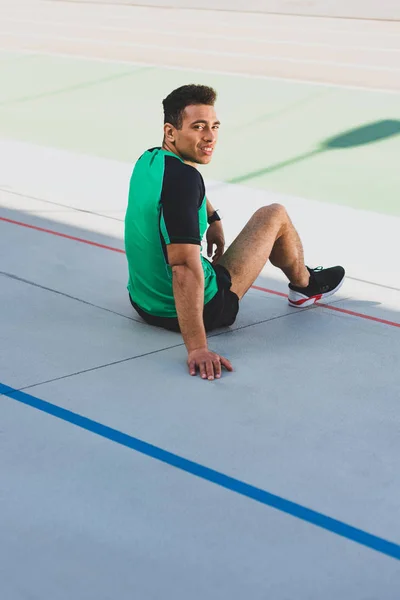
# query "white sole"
(298, 300)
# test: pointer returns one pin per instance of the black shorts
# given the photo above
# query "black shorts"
(220, 311)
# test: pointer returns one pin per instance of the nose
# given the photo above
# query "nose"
(209, 135)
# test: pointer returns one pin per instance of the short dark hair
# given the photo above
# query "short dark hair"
(176, 102)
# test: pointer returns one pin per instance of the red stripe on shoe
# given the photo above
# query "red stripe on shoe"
(300, 302)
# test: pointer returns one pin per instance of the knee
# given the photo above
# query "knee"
(272, 212)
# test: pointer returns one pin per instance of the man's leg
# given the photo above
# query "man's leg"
(271, 235)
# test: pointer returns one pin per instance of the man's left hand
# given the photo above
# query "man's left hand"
(215, 235)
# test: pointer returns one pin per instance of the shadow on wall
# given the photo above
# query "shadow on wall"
(366, 134)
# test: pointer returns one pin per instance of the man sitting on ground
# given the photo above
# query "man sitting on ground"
(171, 284)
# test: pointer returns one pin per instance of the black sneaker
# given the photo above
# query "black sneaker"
(323, 283)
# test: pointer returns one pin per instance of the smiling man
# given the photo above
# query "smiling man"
(171, 284)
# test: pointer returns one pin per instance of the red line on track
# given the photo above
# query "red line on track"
(357, 314)
(255, 287)
(336, 308)
(63, 235)
(262, 289)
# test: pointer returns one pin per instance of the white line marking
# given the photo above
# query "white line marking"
(199, 52)
(199, 70)
(174, 33)
(240, 25)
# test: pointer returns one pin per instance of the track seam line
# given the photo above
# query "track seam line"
(274, 292)
(145, 354)
(69, 296)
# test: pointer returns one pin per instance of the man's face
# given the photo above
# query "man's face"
(196, 140)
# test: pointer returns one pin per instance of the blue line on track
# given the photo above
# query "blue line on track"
(240, 487)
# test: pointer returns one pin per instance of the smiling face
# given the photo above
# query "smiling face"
(195, 141)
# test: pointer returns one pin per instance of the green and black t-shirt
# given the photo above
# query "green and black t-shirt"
(167, 205)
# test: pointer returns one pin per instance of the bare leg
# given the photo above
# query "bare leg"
(269, 234)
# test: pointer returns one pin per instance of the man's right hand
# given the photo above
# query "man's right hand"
(208, 363)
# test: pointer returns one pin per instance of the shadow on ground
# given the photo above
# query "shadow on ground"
(360, 136)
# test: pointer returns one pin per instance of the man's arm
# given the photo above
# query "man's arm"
(215, 236)
(188, 288)
(210, 208)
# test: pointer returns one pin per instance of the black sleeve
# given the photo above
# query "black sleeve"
(181, 197)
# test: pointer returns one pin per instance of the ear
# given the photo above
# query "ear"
(169, 132)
